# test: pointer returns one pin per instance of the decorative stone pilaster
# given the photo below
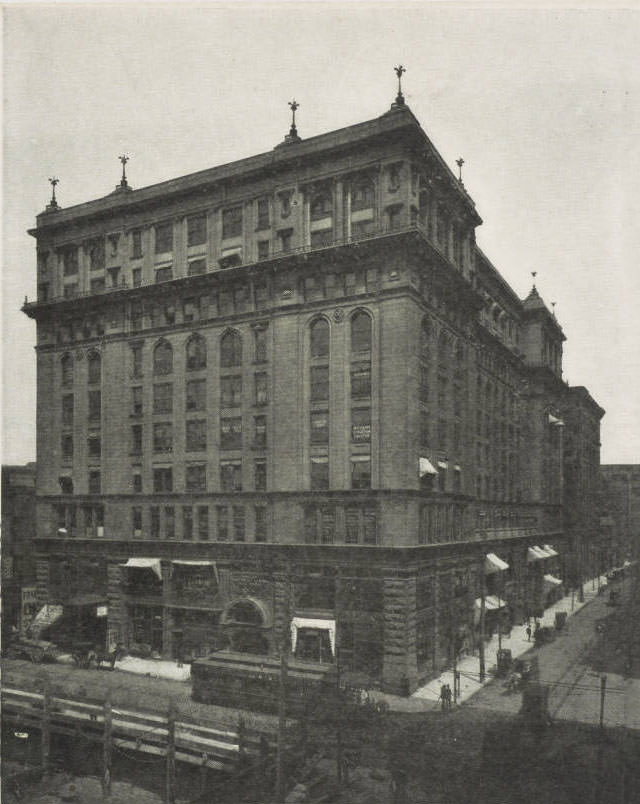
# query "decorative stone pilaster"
(400, 669)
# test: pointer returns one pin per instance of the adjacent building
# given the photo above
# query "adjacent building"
(619, 501)
(288, 404)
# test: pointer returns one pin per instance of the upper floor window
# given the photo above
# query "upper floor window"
(163, 358)
(96, 254)
(231, 349)
(67, 371)
(196, 230)
(196, 353)
(196, 396)
(425, 339)
(320, 338)
(94, 364)
(260, 343)
(263, 214)
(321, 214)
(164, 237)
(70, 261)
(136, 243)
(321, 206)
(231, 222)
(362, 196)
(360, 332)
(136, 360)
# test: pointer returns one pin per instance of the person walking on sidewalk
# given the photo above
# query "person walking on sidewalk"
(448, 690)
(528, 632)
(443, 696)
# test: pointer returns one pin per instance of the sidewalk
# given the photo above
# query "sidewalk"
(153, 668)
(517, 643)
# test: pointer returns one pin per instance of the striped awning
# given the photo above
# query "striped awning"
(493, 563)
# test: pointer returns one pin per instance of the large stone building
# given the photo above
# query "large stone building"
(289, 402)
(619, 500)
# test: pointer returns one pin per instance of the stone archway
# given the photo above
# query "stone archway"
(246, 622)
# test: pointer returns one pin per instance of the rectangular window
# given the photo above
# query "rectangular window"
(169, 522)
(136, 520)
(196, 230)
(260, 471)
(164, 237)
(238, 523)
(136, 360)
(155, 521)
(196, 267)
(196, 395)
(94, 482)
(322, 238)
(319, 474)
(67, 409)
(136, 401)
(261, 523)
(136, 277)
(360, 473)
(196, 435)
(67, 445)
(361, 380)
(162, 479)
(94, 446)
(260, 431)
(260, 344)
(163, 397)
(136, 439)
(187, 523)
(97, 285)
(230, 392)
(231, 222)
(231, 433)
(163, 437)
(285, 239)
(70, 261)
(95, 406)
(196, 478)
(361, 425)
(352, 522)
(136, 244)
(223, 523)
(261, 388)
(328, 525)
(320, 427)
(137, 483)
(263, 249)
(231, 476)
(320, 384)
(263, 214)
(164, 274)
(370, 527)
(203, 523)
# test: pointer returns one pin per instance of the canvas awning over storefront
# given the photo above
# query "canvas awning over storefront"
(187, 563)
(535, 554)
(145, 563)
(551, 581)
(493, 563)
(425, 467)
(315, 624)
(491, 603)
(48, 615)
(555, 421)
(549, 550)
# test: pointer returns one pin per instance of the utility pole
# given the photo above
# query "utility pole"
(170, 789)
(282, 722)
(482, 617)
(107, 747)
(339, 724)
(46, 727)
(603, 689)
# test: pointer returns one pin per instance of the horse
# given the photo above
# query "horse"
(100, 655)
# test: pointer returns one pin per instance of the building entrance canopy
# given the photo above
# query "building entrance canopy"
(145, 563)
(314, 624)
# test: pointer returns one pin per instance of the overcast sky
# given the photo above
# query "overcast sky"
(543, 105)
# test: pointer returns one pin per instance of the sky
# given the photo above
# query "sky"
(542, 104)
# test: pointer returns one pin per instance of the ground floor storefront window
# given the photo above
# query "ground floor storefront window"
(146, 628)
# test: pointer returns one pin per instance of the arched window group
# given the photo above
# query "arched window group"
(231, 349)
(163, 358)
(196, 353)
(360, 332)
(94, 363)
(67, 371)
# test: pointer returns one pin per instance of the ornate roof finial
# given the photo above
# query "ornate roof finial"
(293, 105)
(53, 204)
(553, 308)
(123, 181)
(399, 70)
(460, 163)
(534, 274)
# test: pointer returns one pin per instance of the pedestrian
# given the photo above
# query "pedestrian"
(528, 632)
(536, 628)
(449, 697)
(443, 696)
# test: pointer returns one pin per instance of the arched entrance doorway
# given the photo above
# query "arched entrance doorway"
(246, 624)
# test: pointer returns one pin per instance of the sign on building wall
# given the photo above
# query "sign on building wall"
(7, 568)
(28, 606)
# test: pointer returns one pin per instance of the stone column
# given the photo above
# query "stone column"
(117, 624)
(400, 668)
(167, 612)
(282, 610)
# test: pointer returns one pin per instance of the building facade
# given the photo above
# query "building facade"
(288, 404)
(619, 501)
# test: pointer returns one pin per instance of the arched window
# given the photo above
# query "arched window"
(425, 339)
(320, 338)
(163, 358)
(94, 363)
(196, 353)
(67, 371)
(245, 612)
(231, 349)
(360, 332)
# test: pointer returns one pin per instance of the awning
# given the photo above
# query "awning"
(549, 550)
(442, 465)
(491, 603)
(187, 563)
(48, 615)
(145, 563)
(87, 600)
(551, 580)
(426, 467)
(318, 625)
(535, 554)
(626, 563)
(494, 564)
(555, 421)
